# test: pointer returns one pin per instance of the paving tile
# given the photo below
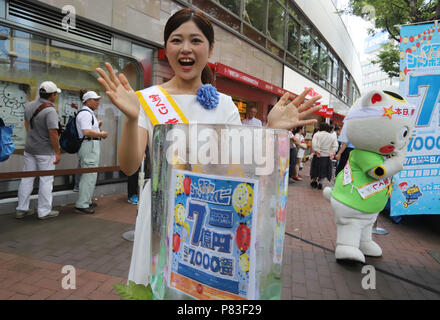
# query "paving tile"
(42, 294)
(50, 284)
(25, 289)
(5, 294)
(299, 290)
(18, 296)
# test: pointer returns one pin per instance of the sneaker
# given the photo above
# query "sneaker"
(20, 214)
(314, 184)
(133, 199)
(75, 189)
(88, 210)
(319, 186)
(52, 214)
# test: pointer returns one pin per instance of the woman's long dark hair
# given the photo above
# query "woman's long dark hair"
(202, 22)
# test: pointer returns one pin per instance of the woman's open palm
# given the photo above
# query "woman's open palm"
(291, 115)
(120, 92)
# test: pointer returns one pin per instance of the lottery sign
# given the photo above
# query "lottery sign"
(212, 236)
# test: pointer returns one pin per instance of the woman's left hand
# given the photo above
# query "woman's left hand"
(290, 115)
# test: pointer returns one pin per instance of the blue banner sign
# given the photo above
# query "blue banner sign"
(417, 187)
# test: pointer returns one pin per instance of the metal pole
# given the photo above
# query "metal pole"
(378, 230)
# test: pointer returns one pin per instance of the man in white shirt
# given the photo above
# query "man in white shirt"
(251, 120)
(88, 130)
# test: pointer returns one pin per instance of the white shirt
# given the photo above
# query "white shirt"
(225, 113)
(302, 140)
(324, 143)
(84, 121)
(253, 122)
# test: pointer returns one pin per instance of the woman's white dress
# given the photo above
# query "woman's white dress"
(225, 113)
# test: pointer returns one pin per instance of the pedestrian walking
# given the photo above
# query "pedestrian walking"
(324, 145)
(41, 152)
(89, 130)
(301, 149)
(344, 151)
(293, 152)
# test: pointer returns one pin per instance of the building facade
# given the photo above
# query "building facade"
(263, 49)
(372, 74)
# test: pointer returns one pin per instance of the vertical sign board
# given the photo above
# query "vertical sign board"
(417, 186)
(212, 229)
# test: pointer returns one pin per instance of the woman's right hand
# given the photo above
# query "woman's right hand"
(120, 92)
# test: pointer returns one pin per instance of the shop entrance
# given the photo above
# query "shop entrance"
(244, 105)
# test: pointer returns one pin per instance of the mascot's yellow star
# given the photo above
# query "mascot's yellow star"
(389, 112)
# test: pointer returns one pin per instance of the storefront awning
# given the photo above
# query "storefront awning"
(234, 74)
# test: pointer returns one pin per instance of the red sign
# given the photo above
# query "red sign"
(329, 113)
(250, 80)
(322, 111)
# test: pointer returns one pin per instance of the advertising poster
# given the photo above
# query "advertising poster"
(281, 199)
(416, 189)
(13, 97)
(212, 236)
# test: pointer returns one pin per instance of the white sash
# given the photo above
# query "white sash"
(367, 190)
(160, 107)
(347, 177)
(372, 188)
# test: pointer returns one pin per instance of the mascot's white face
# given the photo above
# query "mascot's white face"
(380, 122)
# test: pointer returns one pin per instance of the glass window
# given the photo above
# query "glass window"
(323, 64)
(305, 52)
(255, 13)
(221, 13)
(145, 57)
(275, 49)
(276, 22)
(293, 36)
(293, 10)
(254, 35)
(72, 68)
(291, 60)
(335, 73)
(232, 5)
(314, 62)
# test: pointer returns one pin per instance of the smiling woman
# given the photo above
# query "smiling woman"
(189, 42)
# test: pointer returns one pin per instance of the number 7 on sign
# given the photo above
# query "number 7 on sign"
(430, 99)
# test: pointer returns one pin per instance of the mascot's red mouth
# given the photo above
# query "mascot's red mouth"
(387, 149)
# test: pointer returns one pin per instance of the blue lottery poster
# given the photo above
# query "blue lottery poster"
(212, 236)
(417, 187)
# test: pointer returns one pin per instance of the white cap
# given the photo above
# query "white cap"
(90, 95)
(49, 87)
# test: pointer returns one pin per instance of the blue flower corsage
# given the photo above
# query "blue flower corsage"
(208, 96)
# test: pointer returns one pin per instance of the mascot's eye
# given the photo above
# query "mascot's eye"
(403, 133)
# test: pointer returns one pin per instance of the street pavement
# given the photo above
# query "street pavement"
(33, 253)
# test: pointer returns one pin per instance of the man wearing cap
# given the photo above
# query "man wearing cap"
(41, 152)
(88, 128)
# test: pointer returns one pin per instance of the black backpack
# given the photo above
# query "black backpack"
(69, 139)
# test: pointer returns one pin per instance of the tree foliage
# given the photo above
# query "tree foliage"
(388, 15)
(388, 60)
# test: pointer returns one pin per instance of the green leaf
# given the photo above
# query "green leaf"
(134, 291)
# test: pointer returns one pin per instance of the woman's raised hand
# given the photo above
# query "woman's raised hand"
(291, 115)
(120, 92)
